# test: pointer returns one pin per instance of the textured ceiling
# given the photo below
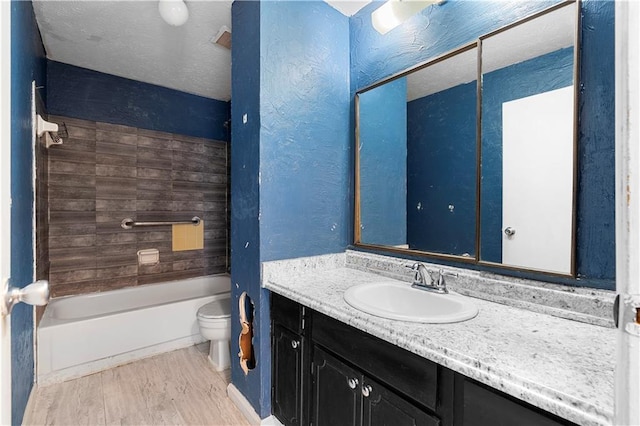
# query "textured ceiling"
(129, 39)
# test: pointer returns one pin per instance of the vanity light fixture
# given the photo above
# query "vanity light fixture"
(395, 12)
(174, 12)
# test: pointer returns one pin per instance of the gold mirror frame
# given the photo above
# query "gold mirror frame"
(476, 259)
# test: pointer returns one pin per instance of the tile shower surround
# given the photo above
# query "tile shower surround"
(104, 173)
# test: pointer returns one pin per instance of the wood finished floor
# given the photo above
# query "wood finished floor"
(175, 388)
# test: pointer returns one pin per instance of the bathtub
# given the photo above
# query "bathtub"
(80, 335)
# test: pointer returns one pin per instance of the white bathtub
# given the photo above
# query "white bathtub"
(80, 335)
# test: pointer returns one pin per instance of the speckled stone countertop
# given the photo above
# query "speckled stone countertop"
(562, 366)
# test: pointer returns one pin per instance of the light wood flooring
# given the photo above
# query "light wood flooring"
(177, 388)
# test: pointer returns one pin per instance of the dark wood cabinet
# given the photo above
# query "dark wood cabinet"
(336, 391)
(288, 359)
(287, 349)
(483, 406)
(382, 407)
(327, 373)
(343, 395)
(410, 375)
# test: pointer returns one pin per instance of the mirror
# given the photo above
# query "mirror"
(528, 144)
(484, 175)
(417, 157)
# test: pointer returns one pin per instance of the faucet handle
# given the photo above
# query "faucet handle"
(416, 268)
(441, 282)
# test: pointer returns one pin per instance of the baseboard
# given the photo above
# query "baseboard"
(247, 409)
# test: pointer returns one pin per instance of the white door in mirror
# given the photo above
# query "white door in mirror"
(537, 181)
(398, 301)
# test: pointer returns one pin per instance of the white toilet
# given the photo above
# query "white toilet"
(214, 320)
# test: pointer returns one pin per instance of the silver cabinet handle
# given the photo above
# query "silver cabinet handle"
(295, 344)
(509, 231)
(366, 390)
(352, 382)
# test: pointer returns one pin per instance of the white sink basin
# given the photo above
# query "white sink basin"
(398, 301)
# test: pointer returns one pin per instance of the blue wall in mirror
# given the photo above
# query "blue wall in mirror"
(542, 74)
(441, 162)
(383, 164)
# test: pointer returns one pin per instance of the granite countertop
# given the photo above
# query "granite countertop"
(562, 366)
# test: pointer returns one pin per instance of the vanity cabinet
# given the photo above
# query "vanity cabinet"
(327, 373)
(343, 395)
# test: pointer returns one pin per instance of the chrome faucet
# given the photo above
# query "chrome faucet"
(423, 280)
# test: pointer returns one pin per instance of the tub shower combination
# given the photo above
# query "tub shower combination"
(84, 334)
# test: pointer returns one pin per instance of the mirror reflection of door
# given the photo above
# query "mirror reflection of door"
(537, 137)
(528, 144)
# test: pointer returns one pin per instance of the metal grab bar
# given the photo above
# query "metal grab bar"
(129, 223)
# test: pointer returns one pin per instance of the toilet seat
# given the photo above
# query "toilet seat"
(218, 309)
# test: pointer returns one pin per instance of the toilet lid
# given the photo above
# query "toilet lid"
(220, 308)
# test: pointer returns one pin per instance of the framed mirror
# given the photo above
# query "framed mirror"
(528, 143)
(471, 156)
(416, 160)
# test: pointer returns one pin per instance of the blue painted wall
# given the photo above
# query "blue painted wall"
(441, 164)
(290, 169)
(383, 164)
(27, 64)
(304, 142)
(538, 75)
(596, 147)
(91, 95)
(245, 198)
(439, 29)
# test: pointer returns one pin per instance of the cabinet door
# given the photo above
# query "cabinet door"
(287, 350)
(483, 406)
(382, 407)
(336, 397)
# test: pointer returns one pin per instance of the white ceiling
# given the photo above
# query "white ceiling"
(129, 39)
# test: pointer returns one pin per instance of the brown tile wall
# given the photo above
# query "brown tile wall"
(104, 173)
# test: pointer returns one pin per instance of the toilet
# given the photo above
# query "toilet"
(214, 320)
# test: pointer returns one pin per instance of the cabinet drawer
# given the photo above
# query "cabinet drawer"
(401, 370)
(286, 312)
